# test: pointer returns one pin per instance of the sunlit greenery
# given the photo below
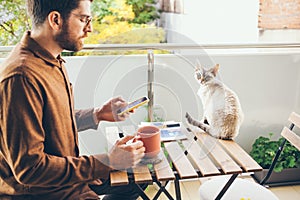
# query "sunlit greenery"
(13, 21)
(144, 11)
(115, 21)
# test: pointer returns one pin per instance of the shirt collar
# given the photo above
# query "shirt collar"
(29, 43)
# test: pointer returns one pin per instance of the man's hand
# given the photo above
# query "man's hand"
(123, 156)
(108, 112)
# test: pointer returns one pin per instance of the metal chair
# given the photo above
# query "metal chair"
(288, 135)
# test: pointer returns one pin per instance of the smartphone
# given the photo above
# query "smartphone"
(133, 105)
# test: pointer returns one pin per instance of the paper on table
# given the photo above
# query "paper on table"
(169, 130)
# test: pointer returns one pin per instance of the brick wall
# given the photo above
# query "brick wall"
(279, 14)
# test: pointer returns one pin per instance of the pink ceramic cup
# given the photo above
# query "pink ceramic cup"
(150, 136)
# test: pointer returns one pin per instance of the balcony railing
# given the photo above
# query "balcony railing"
(265, 76)
(174, 46)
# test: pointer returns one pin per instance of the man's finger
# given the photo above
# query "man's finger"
(125, 139)
(136, 144)
(119, 98)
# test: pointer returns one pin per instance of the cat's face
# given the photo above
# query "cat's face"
(204, 76)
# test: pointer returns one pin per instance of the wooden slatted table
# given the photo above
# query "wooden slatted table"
(207, 157)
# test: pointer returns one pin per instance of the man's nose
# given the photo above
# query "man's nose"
(89, 27)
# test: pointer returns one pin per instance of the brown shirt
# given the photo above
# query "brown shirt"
(39, 155)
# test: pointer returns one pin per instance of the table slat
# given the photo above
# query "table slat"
(240, 156)
(141, 174)
(118, 178)
(163, 170)
(224, 161)
(180, 161)
(200, 158)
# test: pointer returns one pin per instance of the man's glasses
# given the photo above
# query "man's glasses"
(84, 18)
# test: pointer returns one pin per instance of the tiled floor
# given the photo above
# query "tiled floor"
(189, 190)
(287, 192)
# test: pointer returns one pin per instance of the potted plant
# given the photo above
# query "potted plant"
(287, 168)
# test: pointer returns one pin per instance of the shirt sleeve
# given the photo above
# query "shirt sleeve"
(22, 141)
(85, 119)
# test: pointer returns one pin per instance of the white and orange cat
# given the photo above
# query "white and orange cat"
(223, 114)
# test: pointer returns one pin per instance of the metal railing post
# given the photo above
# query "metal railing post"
(150, 84)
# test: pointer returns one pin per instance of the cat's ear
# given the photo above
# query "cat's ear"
(215, 69)
(199, 68)
(198, 65)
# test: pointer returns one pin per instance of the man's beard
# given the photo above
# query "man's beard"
(67, 43)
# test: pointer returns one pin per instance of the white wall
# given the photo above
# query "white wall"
(217, 22)
(267, 84)
(214, 21)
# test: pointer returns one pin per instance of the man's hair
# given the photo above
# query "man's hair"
(38, 10)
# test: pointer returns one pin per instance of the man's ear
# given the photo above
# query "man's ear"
(55, 20)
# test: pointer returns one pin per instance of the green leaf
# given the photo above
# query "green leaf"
(264, 150)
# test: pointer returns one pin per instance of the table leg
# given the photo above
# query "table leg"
(225, 188)
(140, 191)
(177, 189)
(162, 189)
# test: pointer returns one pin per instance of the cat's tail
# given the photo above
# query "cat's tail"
(197, 123)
